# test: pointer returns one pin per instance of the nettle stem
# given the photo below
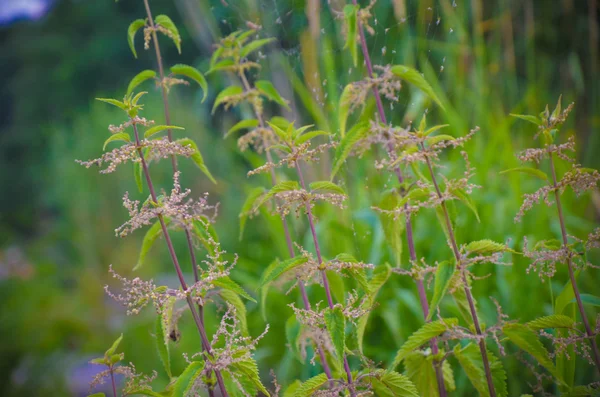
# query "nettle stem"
(408, 223)
(112, 381)
(463, 274)
(286, 230)
(167, 112)
(563, 230)
(311, 222)
(197, 320)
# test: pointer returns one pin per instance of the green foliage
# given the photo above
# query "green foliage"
(415, 78)
(443, 276)
(185, 381)
(423, 335)
(131, 31)
(192, 73)
(350, 17)
(470, 360)
(342, 152)
(139, 79)
(335, 322)
(420, 370)
(168, 24)
(266, 88)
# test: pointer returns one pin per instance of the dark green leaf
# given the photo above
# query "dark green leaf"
(139, 79)
(194, 74)
(168, 24)
(131, 31)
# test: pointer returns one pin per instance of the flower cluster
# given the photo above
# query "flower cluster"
(386, 82)
(304, 151)
(137, 293)
(538, 154)
(260, 139)
(134, 382)
(135, 120)
(579, 341)
(174, 207)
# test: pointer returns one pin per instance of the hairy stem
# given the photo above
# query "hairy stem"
(112, 381)
(311, 223)
(286, 230)
(563, 230)
(467, 289)
(409, 229)
(197, 320)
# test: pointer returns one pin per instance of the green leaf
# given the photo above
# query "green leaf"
(185, 381)
(225, 64)
(292, 388)
(205, 232)
(461, 195)
(527, 340)
(248, 206)
(292, 332)
(240, 309)
(380, 275)
(420, 370)
(139, 79)
(229, 284)
(254, 45)
(528, 170)
(483, 247)
(344, 107)
(249, 369)
(113, 102)
(279, 188)
(194, 74)
(137, 174)
(415, 78)
(326, 185)
(266, 88)
(308, 136)
(225, 94)
(244, 124)
(119, 136)
(552, 321)
(335, 322)
(435, 128)
(281, 268)
(197, 157)
(350, 16)
(168, 24)
(470, 359)
(153, 233)
(97, 395)
(392, 384)
(532, 119)
(161, 328)
(392, 228)
(589, 300)
(311, 386)
(264, 290)
(132, 30)
(113, 348)
(423, 335)
(356, 133)
(443, 276)
(439, 138)
(158, 128)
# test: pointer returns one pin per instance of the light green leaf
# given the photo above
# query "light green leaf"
(423, 335)
(248, 206)
(225, 94)
(249, 370)
(527, 340)
(356, 133)
(194, 74)
(311, 386)
(254, 45)
(266, 88)
(434, 129)
(225, 64)
(380, 275)
(415, 78)
(308, 136)
(350, 17)
(443, 276)
(113, 348)
(461, 195)
(281, 268)
(240, 309)
(552, 321)
(326, 185)
(161, 329)
(392, 228)
(344, 108)
(244, 124)
(229, 284)
(335, 322)
(532, 119)
(292, 388)
(279, 188)
(158, 128)
(470, 359)
(168, 24)
(264, 290)
(483, 247)
(132, 30)
(119, 136)
(292, 332)
(185, 381)
(528, 170)
(113, 102)
(197, 157)
(392, 384)
(420, 370)
(97, 395)
(439, 138)
(139, 79)
(153, 233)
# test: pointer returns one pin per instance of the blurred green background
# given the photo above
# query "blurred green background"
(486, 59)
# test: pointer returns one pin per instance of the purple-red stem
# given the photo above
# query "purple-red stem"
(112, 381)
(409, 230)
(197, 320)
(467, 290)
(563, 230)
(323, 273)
(286, 230)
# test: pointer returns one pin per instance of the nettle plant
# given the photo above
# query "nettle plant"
(334, 329)
(223, 364)
(568, 337)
